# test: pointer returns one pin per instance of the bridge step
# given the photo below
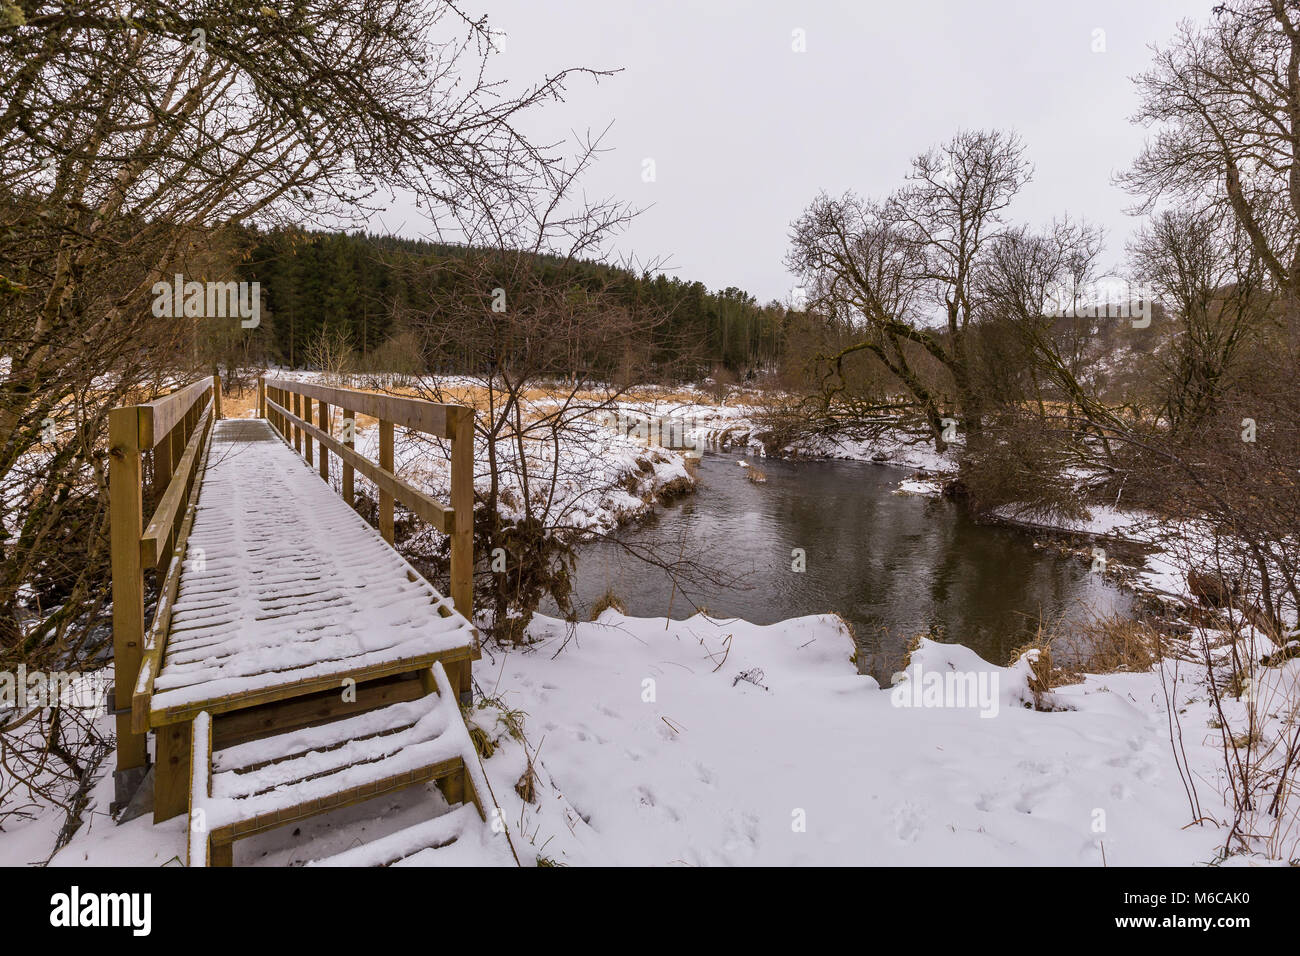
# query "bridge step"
(275, 781)
(457, 838)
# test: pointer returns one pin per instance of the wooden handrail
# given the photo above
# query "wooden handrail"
(162, 526)
(453, 422)
(159, 417)
(442, 517)
(428, 417)
(172, 430)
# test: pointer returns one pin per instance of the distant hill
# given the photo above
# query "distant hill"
(356, 284)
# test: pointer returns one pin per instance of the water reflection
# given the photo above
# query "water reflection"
(892, 565)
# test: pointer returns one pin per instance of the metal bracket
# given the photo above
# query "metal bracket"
(130, 798)
(111, 694)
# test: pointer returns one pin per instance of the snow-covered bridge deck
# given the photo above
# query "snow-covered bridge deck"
(285, 586)
(296, 662)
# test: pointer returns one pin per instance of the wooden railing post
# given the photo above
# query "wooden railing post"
(216, 396)
(462, 536)
(350, 441)
(297, 432)
(126, 527)
(261, 396)
(165, 456)
(306, 436)
(462, 503)
(386, 463)
(323, 423)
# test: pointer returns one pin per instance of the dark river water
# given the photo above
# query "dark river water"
(892, 565)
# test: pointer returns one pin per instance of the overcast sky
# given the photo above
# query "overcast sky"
(744, 130)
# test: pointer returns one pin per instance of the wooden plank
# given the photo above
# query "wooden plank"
(456, 793)
(427, 509)
(323, 421)
(198, 847)
(171, 773)
(462, 535)
(273, 395)
(156, 641)
(166, 455)
(385, 495)
(349, 441)
(254, 723)
(299, 688)
(462, 506)
(283, 816)
(428, 417)
(164, 519)
(307, 432)
(453, 787)
(164, 463)
(159, 417)
(126, 516)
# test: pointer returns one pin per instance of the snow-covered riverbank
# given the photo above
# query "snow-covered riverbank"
(720, 742)
(736, 426)
(710, 742)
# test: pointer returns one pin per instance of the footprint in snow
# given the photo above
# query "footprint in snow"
(909, 821)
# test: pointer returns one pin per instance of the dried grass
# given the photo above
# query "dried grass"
(1112, 643)
(606, 601)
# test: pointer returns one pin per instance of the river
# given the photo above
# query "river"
(892, 565)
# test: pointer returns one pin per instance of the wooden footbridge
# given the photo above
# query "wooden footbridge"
(295, 662)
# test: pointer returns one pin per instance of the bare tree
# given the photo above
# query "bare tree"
(1204, 268)
(1222, 99)
(130, 133)
(903, 271)
(528, 315)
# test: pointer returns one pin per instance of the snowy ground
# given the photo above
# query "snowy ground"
(725, 743)
(721, 742)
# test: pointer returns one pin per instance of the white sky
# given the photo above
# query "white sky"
(744, 131)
